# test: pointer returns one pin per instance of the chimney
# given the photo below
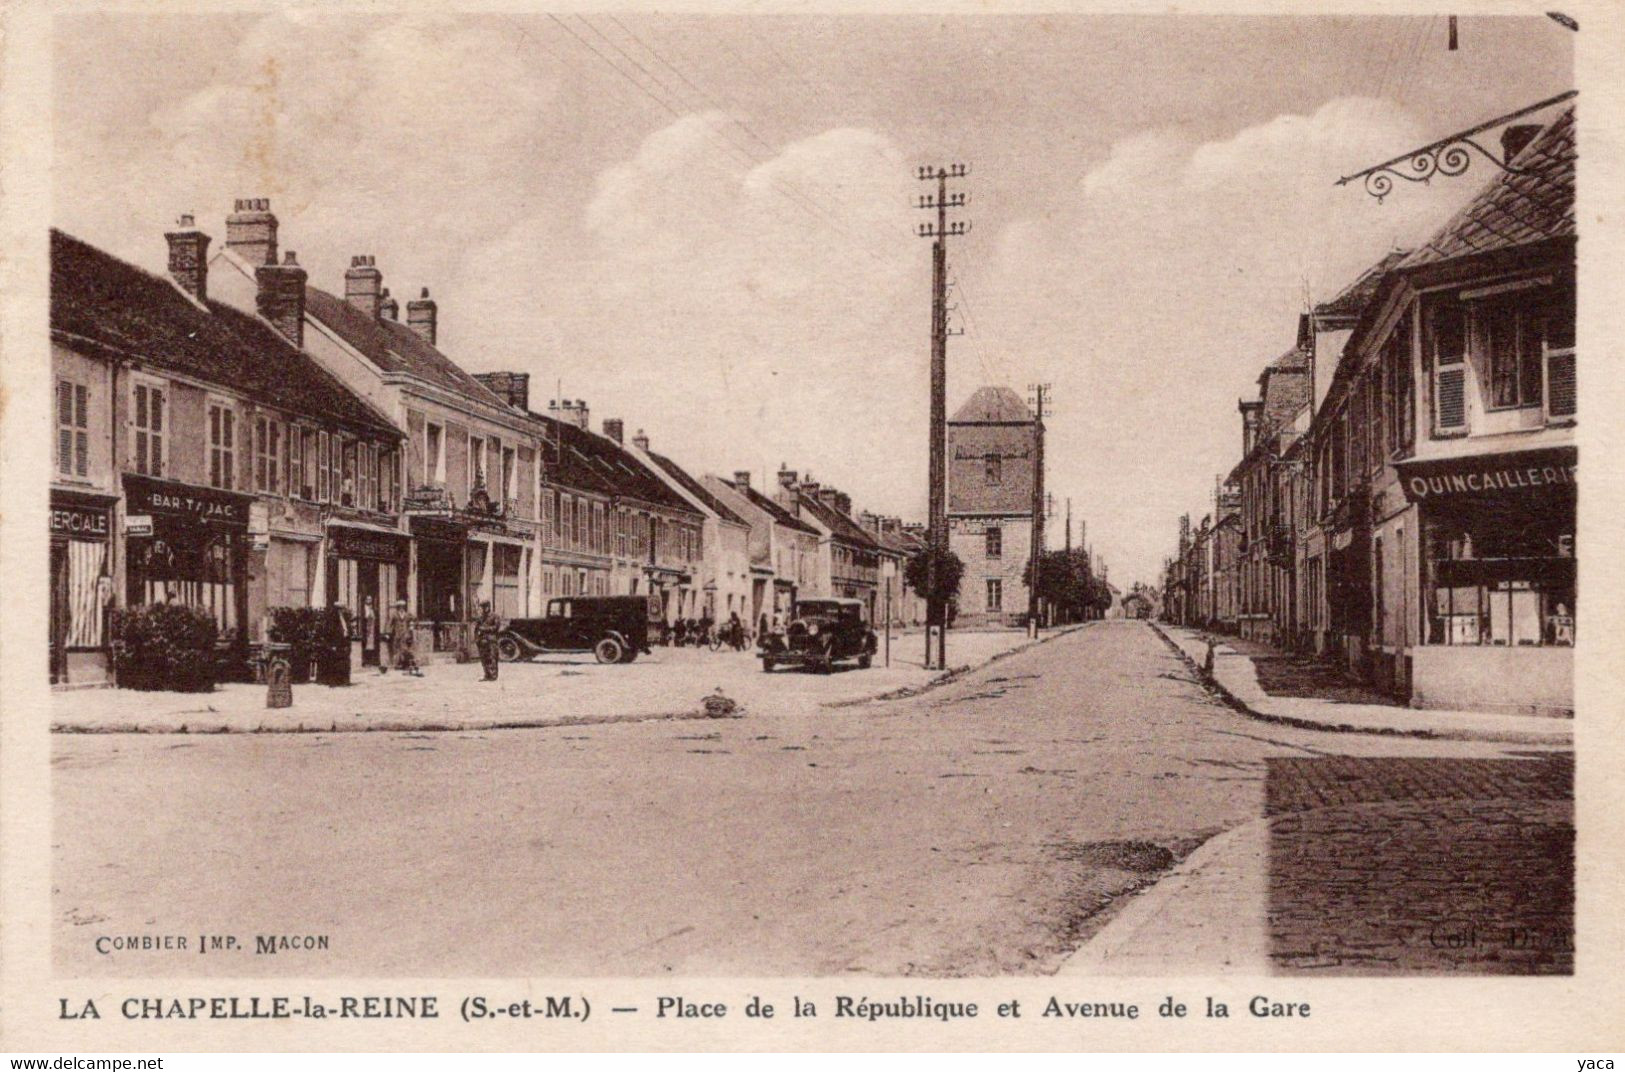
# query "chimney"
(1516, 138)
(189, 258)
(281, 297)
(389, 308)
(512, 387)
(870, 522)
(581, 415)
(742, 479)
(1249, 425)
(810, 488)
(787, 477)
(421, 316)
(842, 502)
(615, 428)
(251, 231)
(362, 284)
(640, 440)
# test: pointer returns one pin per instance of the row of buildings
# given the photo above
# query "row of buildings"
(230, 436)
(1405, 502)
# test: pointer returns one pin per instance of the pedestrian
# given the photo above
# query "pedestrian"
(486, 628)
(680, 631)
(402, 642)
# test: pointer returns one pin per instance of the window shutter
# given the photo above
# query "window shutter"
(1450, 397)
(64, 422)
(1560, 393)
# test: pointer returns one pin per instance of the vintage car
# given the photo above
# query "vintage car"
(614, 628)
(821, 633)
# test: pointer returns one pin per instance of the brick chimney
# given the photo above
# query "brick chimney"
(363, 284)
(251, 231)
(787, 477)
(871, 522)
(742, 479)
(512, 387)
(641, 441)
(388, 307)
(615, 428)
(829, 497)
(422, 316)
(189, 258)
(843, 503)
(281, 297)
(1516, 138)
(581, 414)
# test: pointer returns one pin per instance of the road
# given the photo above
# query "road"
(988, 827)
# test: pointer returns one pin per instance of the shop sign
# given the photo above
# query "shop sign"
(138, 524)
(1489, 475)
(183, 500)
(80, 521)
(350, 543)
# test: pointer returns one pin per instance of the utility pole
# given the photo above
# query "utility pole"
(1038, 390)
(936, 615)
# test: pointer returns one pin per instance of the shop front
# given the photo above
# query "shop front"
(367, 570)
(189, 545)
(1498, 581)
(81, 586)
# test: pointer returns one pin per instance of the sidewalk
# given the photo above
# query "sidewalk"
(564, 690)
(1348, 708)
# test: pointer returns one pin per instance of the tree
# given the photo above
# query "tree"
(950, 571)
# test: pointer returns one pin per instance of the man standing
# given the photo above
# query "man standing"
(402, 643)
(486, 628)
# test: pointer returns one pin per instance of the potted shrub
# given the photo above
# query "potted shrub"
(164, 646)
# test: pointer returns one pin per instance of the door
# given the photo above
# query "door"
(59, 611)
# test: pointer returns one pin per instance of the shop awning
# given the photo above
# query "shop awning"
(1487, 475)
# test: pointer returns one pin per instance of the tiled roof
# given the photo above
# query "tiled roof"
(1362, 290)
(696, 489)
(395, 347)
(1533, 204)
(992, 404)
(841, 526)
(97, 297)
(1294, 360)
(780, 515)
(577, 458)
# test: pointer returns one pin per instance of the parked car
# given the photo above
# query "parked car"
(614, 628)
(821, 633)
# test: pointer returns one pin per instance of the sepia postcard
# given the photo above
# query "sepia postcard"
(832, 527)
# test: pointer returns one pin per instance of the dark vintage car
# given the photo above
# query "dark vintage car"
(822, 633)
(613, 628)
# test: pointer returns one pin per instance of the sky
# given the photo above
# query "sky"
(704, 225)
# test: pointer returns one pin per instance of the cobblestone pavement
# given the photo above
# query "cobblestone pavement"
(1398, 865)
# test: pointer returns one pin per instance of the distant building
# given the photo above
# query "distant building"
(992, 459)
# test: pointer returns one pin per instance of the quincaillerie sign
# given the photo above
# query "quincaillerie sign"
(1489, 475)
(148, 496)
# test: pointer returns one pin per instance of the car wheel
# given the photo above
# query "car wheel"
(508, 650)
(608, 650)
(767, 666)
(865, 661)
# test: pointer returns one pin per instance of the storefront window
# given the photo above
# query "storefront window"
(1501, 578)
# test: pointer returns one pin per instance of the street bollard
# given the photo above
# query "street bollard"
(278, 683)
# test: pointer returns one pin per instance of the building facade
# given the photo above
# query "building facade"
(992, 467)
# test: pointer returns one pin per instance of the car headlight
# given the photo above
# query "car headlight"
(812, 628)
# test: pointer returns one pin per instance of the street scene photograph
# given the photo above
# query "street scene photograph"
(613, 493)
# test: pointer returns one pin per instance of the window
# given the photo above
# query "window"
(995, 594)
(995, 541)
(1445, 348)
(1559, 342)
(510, 487)
(567, 520)
(366, 495)
(434, 454)
(323, 466)
(222, 445)
(476, 463)
(149, 430)
(993, 469)
(267, 455)
(1508, 335)
(347, 471)
(73, 429)
(296, 461)
(1399, 391)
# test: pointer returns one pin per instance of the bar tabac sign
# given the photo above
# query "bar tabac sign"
(1491, 475)
(146, 496)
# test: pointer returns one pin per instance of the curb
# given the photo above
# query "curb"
(1212, 685)
(218, 728)
(1120, 933)
(948, 677)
